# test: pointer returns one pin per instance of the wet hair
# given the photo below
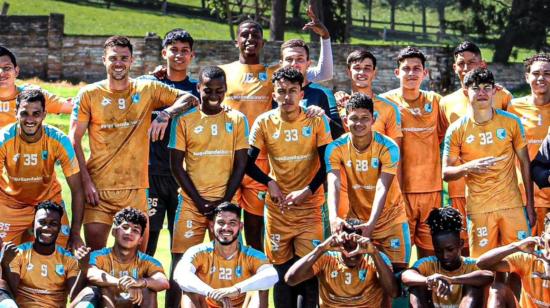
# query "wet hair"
(445, 220)
(360, 100)
(479, 76)
(118, 40)
(177, 35)
(211, 72)
(227, 207)
(30, 95)
(410, 52)
(131, 215)
(50, 206)
(359, 55)
(540, 57)
(294, 43)
(256, 25)
(467, 46)
(6, 52)
(288, 73)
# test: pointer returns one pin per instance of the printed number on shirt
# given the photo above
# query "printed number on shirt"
(486, 138)
(348, 278)
(482, 232)
(4, 106)
(44, 270)
(291, 135)
(30, 159)
(214, 129)
(121, 103)
(362, 165)
(225, 273)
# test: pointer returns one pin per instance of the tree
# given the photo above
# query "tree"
(278, 20)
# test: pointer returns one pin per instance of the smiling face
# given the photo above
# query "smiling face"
(297, 58)
(359, 121)
(538, 78)
(8, 72)
(465, 62)
(127, 235)
(117, 61)
(30, 116)
(212, 92)
(250, 40)
(47, 224)
(411, 73)
(362, 73)
(226, 227)
(178, 55)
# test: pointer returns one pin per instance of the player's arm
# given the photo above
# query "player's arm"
(479, 278)
(77, 131)
(184, 101)
(493, 260)
(324, 68)
(399, 174)
(383, 265)
(184, 181)
(523, 157)
(75, 284)
(12, 278)
(333, 199)
(156, 282)
(412, 278)
(263, 279)
(454, 171)
(77, 207)
(101, 278)
(540, 166)
(185, 277)
(252, 170)
(239, 167)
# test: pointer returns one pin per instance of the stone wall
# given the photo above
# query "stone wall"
(44, 51)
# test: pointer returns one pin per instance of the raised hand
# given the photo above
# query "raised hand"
(316, 25)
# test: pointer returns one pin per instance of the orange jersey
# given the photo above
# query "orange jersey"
(500, 137)
(29, 168)
(209, 143)
(117, 125)
(455, 106)
(341, 286)
(536, 120)
(142, 266)
(218, 272)
(430, 265)
(535, 292)
(43, 279)
(362, 171)
(423, 125)
(291, 147)
(54, 104)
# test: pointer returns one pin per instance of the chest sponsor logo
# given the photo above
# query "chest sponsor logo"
(105, 102)
(15, 157)
(501, 133)
(229, 127)
(470, 139)
(306, 131)
(198, 129)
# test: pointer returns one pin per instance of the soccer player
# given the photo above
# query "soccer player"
(249, 90)
(540, 166)
(295, 146)
(206, 138)
(223, 271)
(423, 125)
(534, 112)
(41, 273)
(483, 146)
(9, 90)
(368, 160)
(117, 113)
(29, 151)
(352, 272)
(446, 279)
(123, 274)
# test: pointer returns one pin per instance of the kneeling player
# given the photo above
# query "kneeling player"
(223, 271)
(42, 273)
(446, 279)
(124, 275)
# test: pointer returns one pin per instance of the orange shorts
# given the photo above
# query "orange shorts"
(490, 230)
(189, 226)
(112, 201)
(418, 207)
(459, 204)
(395, 242)
(251, 195)
(293, 233)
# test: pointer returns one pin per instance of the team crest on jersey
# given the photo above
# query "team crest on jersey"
(315, 243)
(375, 115)
(395, 243)
(276, 135)
(198, 129)
(65, 230)
(501, 133)
(238, 271)
(362, 275)
(261, 195)
(470, 139)
(229, 127)
(428, 107)
(522, 235)
(60, 269)
(135, 98)
(105, 102)
(375, 162)
(306, 131)
(334, 274)
(44, 155)
(15, 157)
(262, 76)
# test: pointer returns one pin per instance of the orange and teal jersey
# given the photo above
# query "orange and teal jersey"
(535, 292)
(455, 106)
(54, 104)
(141, 266)
(218, 272)
(29, 168)
(535, 120)
(209, 143)
(423, 125)
(292, 147)
(43, 279)
(500, 137)
(117, 126)
(362, 170)
(341, 286)
(430, 265)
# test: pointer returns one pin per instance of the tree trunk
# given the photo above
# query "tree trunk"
(441, 16)
(423, 8)
(164, 7)
(229, 19)
(392, 15)
(507, 39)
(370, 12)
(296, 17)
(349, 22)
(317, 7)
(277, 22)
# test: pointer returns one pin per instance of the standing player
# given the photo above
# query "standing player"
(540, 166)
(9, 90)
(446, 279)
(368, 160)
(534, 112)
(117, 112)
(351, 270)
(423, 125)
(295, 146)
(483, 146)
(224, 270)
(42, 273)
(29, 151)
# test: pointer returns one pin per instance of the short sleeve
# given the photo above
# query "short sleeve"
(96, 259)
(164, 95)
(193, 256)
(257, 134)
(71, 267)
(423, 266)
(256, 259)
(152, 266)
(519, 263)
(451, 145)
(66, 156)
(333, 157)
(82, 107)
(177, 134)
(442, 122)
(242, 133)
(393, 125)
(518, 134)
(323, 132)
(54, 103)
(389, 157)
(15, 264)
(320, 264)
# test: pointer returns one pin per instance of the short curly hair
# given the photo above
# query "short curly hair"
(288, 73)
(50, 206)
(540, 57)
(411, 52)
(131, 215)
(445, 220)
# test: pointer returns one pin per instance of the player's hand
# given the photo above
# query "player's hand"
(481, 165)
(364, 245)
(9, 251)
(342, 98)
(158, 126)
(92, 196)
(127, 282)
(159, 72)
(333, 243)
(366, 229)
(297, 197)
(275, 192)
(528, 245)
(205, 207)
(75, 241)
(221, 293)
(337, 225)
(440, 284)
(314, 111)
(136, 295)
(316, 25)
(546, 274)
(82, 254)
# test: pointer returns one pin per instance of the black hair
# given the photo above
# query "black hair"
(211, 72)
(293, 43)
(467, 46)
(540, 57)
(50, 206)
(410, 52)
(360, 100)
(288, 73)
(120, 41)
(131, 215)
(353, 222)
(359, 55)
(30, 95)
(479, 76)
(177, 35)
(445, 220)
(227, 207)
(256, 25)
(6, 52)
